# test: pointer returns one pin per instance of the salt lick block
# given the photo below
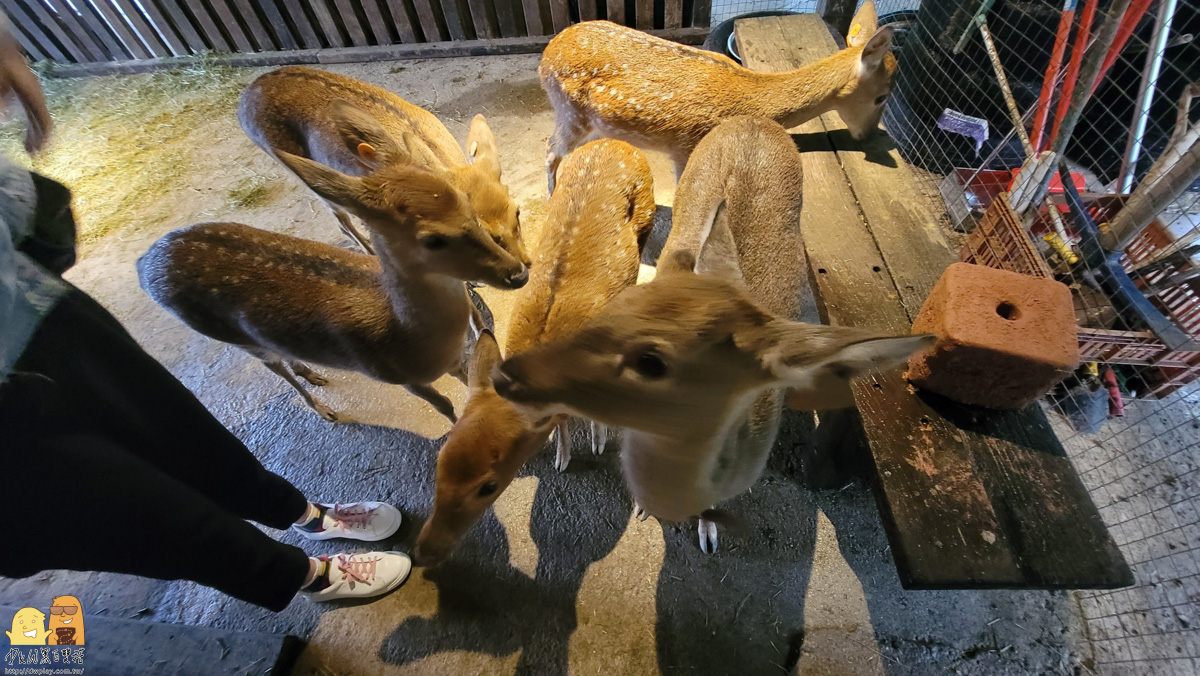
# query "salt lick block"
(1004, 339)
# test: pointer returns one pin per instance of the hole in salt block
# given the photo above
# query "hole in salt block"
(821, 270)
(1008, 311)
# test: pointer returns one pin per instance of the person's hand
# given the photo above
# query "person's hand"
(16, 79)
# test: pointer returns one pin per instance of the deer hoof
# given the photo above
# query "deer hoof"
(561, 460)
(316, 379)
(639, 513)
(708, 536)
(325, 412)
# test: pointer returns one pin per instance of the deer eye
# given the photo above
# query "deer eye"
(498, 240)
(879, 100)
(647, 363)
(487, 489)
(434, 242)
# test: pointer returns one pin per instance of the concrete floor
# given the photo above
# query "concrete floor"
(558, 578)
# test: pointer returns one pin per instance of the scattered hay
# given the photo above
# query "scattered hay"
(123, 143)
(253, 191)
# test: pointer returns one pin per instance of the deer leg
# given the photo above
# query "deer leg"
(301, 369)
(639, 513)
(708, 536)
(562, 457)
(566, 137)
(599, 437)
(436, 399)
(350, 231)
(680, 159)
(324, 411)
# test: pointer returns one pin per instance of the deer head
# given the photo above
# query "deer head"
(861, 101)
(482, 454)
(418, 218)
(690, 350)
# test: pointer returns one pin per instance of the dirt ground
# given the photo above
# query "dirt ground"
(557, 578)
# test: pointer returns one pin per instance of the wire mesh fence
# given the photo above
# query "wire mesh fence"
(1130, 417)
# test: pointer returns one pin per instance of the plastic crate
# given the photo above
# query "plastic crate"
(1000, 242)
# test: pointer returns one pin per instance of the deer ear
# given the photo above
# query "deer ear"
(718, 250)
(331, 184)
(677, 261)
(364, 136)
(877, 47)
(420, 153)
(863, 25)
(481, 146)
(484, 358)
(813, 358)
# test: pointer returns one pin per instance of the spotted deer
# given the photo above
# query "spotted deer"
(357, 128)
(400, 317)
(694, 364)
(605, 80)
(589, 250)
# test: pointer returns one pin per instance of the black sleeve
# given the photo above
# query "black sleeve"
(51, 239)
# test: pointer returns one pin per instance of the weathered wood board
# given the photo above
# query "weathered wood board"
(969, 498)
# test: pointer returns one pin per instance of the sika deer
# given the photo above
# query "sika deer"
(357, 128)
(608, 80)
(589, 251)
(400, 317)
(695, 362)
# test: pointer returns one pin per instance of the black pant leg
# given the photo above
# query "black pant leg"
(93, 505)
(103, 377)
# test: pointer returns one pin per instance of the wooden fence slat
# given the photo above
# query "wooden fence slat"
(506, 17)
(137, 21)
(533, 17)
(81, 34)
(159, 23)
(332, 35)
(308, 35)
(277, 27)
(645, 14)
(616, 11)
(375, 22)
(183, 25)
(402, 21)
(428, 21)
(455, 25)
(673, 14)
(479, 16)
(55, 27)
(30, 45)
(254, 27)
(229, 20)
(350, 20)
(113, 19)
(208, 27)
(702, 13)
(587, 10)
(99, 28)
(560, 15)
(33, 32)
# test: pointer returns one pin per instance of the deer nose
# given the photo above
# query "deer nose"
(519, 278)
(503, 382)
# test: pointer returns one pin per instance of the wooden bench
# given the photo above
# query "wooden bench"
(969, 498)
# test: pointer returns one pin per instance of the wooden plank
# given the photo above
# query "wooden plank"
(427, 19)
(375, 23)
(702, 13)
(208, 27)
(968, 498)
(587, 10)
(95, 51)
(183, 25)
(37, 42)
(306, 33)
(506, 18)
(644, 14)
(254, 26)
(158, 23)
(533, 17)
(99, 28)
(52, 24)
(333, 36)
(402, 22)
(31, 46)
(479, 17)
(229, 22)
(455, 25)
(277, 26)
(560, 17)
(616, 11)
(112, 18)
(350, 20)
(673, 14)
(139, 24)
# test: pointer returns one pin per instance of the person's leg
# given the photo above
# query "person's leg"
(110, 511)
(103, 375)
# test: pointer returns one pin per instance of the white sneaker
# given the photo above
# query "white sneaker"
(360, 576)
(367, 521)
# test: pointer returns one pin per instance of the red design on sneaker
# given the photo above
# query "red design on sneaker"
(367, 521)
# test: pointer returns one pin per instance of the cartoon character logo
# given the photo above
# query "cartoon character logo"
(28, 628)
(66, 621)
